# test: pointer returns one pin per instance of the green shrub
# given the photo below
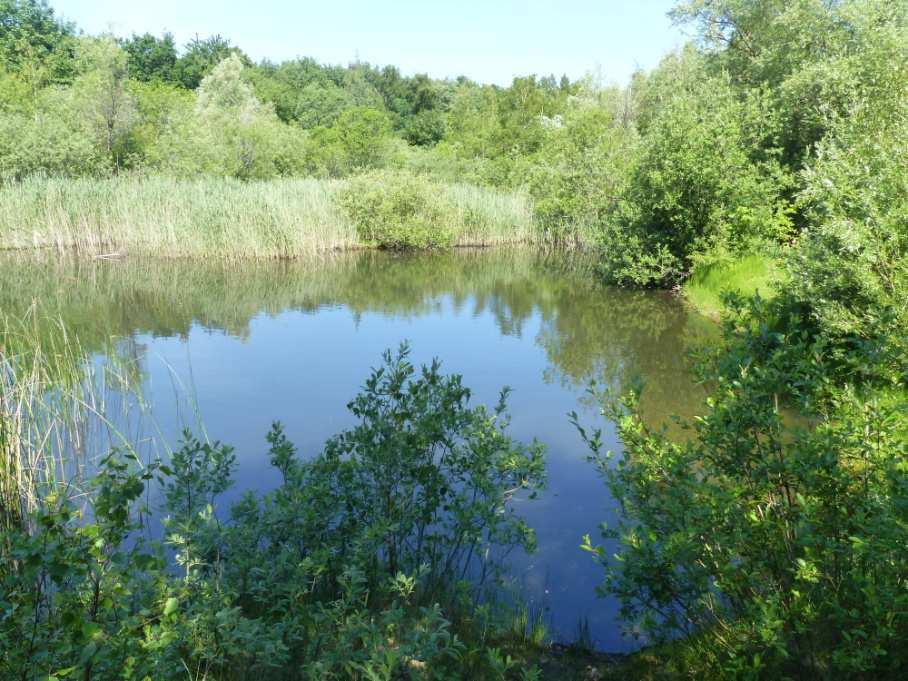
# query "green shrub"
(399, 211)
(425, 128)
(707, 177)
(851, 263)
(357, 566)
(766, 546)
(46, 144)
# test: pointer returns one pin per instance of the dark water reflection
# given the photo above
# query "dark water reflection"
(237, 347)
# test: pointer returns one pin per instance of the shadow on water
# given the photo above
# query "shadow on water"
(292, 341)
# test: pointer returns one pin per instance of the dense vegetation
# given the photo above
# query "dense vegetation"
(772, 544)
(345, 570)
(776, 143)
(735, 144)
(232, 219)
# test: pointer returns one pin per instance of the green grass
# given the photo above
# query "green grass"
(223, 218)
(747, 275)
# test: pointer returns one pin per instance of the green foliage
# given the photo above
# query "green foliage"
(229, 132)
(48, 142)
(812, 55)
(773, 546)
(851, 264)
(84, 129)
(502, 128)
(100, 97)
(415, 104)
(34, 43)
(159, 109)
(352, 568)
(581, 170)
(420, 487)
(150, 58)
(705, 179)
(358, 140)
(729, 127)
(302, 92)
(769, 545)
(199, 59)
(14, 94)
(398, 211)
(69, 585)
(425, 128)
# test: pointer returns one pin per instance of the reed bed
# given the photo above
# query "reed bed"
(490, 218)
(223, 218)
(59, 411)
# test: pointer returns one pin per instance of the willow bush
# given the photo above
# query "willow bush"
(398, 211)
(364, 563)
(767, 546)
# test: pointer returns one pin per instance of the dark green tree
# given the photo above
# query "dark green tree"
(150, 58)
(425, 128)
(200, 57)
(35, 43)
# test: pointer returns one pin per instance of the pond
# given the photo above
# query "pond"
(234, 347)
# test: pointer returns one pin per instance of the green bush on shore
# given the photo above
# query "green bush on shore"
(365, 563)
(398, 212)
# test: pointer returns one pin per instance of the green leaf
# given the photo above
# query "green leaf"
(88, 652)
(171, 606)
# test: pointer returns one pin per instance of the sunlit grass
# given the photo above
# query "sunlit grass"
(222, 218)
(487, 217)
(747, 275)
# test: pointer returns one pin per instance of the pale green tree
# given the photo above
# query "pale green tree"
(100, 97)
(229, 131)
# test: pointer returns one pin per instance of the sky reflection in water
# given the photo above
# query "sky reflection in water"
(237, 347)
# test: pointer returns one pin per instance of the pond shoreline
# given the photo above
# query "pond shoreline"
(230, 219)
(291, 340)
(78, 252)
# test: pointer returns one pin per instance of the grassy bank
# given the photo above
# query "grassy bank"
(748, 275)
(216, 217)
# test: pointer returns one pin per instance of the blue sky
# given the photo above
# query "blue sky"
(488, 41)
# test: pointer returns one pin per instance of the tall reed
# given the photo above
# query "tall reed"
(223, 218)
(59, 411)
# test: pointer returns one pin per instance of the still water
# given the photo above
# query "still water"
(231, 348)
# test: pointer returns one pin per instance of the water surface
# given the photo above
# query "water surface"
(237, 347)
